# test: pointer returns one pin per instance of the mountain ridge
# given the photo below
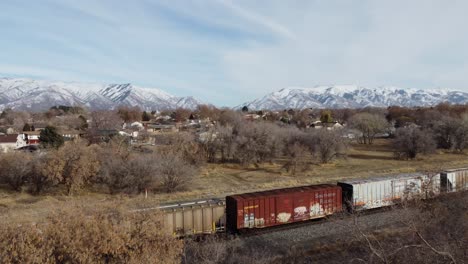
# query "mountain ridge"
(37, 95)
(353, 96)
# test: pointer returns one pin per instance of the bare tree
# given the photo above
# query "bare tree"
(131, 174)
(369, 125)
(326, 144)
(76, 164)
(208, 111)
(47, 171)
(173, 172)
(461, 134)
(102, 121)
(181, 114)
(16, 119)
(297, 155)
(15, 169)
(129, 114)
(410, 141)
(445, 130)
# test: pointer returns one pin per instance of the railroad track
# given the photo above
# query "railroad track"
(294, 225)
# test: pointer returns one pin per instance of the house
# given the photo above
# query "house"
(328, 125)
(70, 134)
(137, 125)
(251, 117)
(162, 128)
(8, 142)
(28, 138)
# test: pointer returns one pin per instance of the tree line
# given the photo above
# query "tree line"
(119, 167)
(113, 165)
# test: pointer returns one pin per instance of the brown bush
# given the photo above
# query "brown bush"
(75, 236)
(74, 164)
(173, 172)
(15, 168)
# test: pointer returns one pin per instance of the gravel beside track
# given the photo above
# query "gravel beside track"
(331, 229)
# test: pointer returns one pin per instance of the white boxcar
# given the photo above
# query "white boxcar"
(361, 194)
(454, 180)
(192, 218)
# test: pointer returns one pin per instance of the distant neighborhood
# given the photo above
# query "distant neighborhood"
(140, 127)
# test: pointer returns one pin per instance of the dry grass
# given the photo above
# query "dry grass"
(217, 180)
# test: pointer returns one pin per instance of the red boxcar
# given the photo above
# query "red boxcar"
(281, 206)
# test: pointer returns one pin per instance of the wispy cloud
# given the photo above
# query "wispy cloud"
(259, 19)
(227, 52)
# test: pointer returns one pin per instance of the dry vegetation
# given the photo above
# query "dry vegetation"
(68, 192)
(83, 235)
(216, 180)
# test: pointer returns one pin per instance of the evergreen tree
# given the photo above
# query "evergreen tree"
(326, 117)
(49, 138)
(245, 109)
(26, 127)
(145, 116)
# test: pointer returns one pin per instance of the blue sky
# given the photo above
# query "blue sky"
(229, 52)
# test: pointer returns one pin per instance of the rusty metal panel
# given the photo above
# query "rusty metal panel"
(281, 206)
(384, 191)
(454, 180)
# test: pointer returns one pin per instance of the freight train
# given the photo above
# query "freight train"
(276, 207)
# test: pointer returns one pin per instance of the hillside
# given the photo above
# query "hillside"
(37, 95)
(352, 96)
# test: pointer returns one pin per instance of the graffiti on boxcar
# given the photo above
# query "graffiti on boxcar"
(259, 222)
(249, 220)
(375, 203)
(283, 217)
(316, 209)
(300, 212)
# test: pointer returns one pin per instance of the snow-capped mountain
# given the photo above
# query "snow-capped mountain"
(353, 96)
(36, 95)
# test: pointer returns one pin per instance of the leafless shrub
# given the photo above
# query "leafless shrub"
(215, 250)
(410, 141)
(326, 144)
(369, 125)
(103, 121)
(461, 134)
(132, 174)
(173, 172)
(185, 145)
(47, 171)
(74, 164)
(129, 114)
(15, 168)
(297, 157)
(76, 236)
(431, 232)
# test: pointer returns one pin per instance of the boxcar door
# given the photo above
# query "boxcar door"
(284, 209)
(301, 204)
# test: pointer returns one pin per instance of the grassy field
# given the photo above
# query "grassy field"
(217, 180)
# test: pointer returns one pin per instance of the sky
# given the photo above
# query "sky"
(229, 52)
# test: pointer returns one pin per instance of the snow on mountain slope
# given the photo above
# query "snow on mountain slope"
(353, 96)
(35, 95)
